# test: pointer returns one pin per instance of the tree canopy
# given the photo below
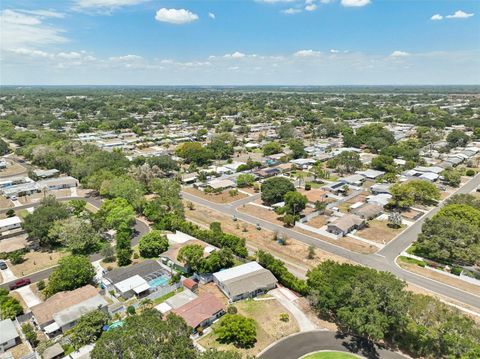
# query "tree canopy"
(274, 189)
(71, 273)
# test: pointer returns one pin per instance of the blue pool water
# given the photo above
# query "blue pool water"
(159, 281)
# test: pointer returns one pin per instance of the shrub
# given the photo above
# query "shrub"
(470, 172)
(10, 213)
(456, 270)
(237, 330)
(41, 285)
(232, 309)
(308, 187)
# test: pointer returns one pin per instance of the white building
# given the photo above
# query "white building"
(8, 335)
(8, 224)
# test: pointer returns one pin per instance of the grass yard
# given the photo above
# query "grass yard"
(379, 231)
(36, 261)
(330, 355)
(222, 197)
(270, 328)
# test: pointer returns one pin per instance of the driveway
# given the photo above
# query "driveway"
(298, 345)
(287, 299)
(28, 296)
(7, 275)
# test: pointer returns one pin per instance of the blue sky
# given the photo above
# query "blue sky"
(240, 42)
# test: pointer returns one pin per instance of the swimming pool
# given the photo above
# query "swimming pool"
(161, 281)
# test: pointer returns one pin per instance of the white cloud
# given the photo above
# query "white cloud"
(175, 16)
(436, 17)
(20, 29)
(306, 53)
(333, 51)
(275, 1)
(105, 4)
(311, 7)
(126, 58)
(355, 3)
(291, 11)
(398, 54)
(235, 55)
(44, 13)
(211, 15)
(459, 14)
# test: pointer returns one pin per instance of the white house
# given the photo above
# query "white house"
(8, 335)
(8, 224)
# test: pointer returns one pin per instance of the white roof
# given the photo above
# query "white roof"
(51, 328)
(237, 271)
(430, 176)
(130, 283)
(7, 331)
(370, 173)
(10, 221)
(141, 288)
(163, 308)
(179, 237)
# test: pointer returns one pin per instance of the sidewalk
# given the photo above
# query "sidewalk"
(287, 298)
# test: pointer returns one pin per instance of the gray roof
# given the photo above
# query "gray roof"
(250, 282)
(142, 269)
(7, 331)
(74, 312)
(53, 351)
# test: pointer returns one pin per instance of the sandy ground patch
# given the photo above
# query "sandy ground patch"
(19, 350)
(13, 169)
(222, 197)
(445, 279)
(379, 231)
(294, 254)
(305, 306)
(318, 221)
(5, 203)
(36, 261)
(262, 213)
(270, 328)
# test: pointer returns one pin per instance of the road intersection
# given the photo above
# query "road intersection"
(384, 260)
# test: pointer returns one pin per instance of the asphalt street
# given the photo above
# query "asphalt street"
(298, 345)
(383, 260)
(140, 229)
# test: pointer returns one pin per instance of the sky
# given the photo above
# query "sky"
(239, 42)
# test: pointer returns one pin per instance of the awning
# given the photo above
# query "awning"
(141, 288)
(51, 328)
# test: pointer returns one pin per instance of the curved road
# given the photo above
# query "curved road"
(298, 345)
(139, 230)
(383, 260)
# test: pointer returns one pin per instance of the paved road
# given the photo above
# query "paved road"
(140, 229)
(298, 345)
(383, 260)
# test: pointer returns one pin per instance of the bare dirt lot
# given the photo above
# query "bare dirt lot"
(294, 254)
(379, 231)
(36, 261)
(457, 283)
(223, 197)
(5, 203)
(13, 169)
(270, 328)
(318, 222)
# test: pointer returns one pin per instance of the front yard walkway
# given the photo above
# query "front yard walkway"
(287, 299)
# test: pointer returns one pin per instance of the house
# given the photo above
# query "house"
(344, 225)
(61, 311)
(336, 187)
(169, 257)
(43, 174)
(22, 189)
(353, 180)
(371, 174)
(381, 188)
(202, 311)
(368, 211)
(220, 184)
(245, 281)
(9, 336)
(189, 178)
(8, 224)
(380, 199)
(53, 352)
(137, 279)
(58, 183)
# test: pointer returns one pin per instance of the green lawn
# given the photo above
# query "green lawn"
(331, 355)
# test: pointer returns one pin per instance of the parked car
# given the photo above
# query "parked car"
(20, 283)
(3, 265)
(13, 198)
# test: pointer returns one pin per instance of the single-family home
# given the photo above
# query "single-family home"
(202, 311)
(58, 183)
(9, 336)
(10, 223)
(371, 174)
(345, 224)
(245, 281)
(61, 311)
(43, 174)
(368, 211)
(170, 259)
(137, 279)
(220, 184)
(353, 180)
